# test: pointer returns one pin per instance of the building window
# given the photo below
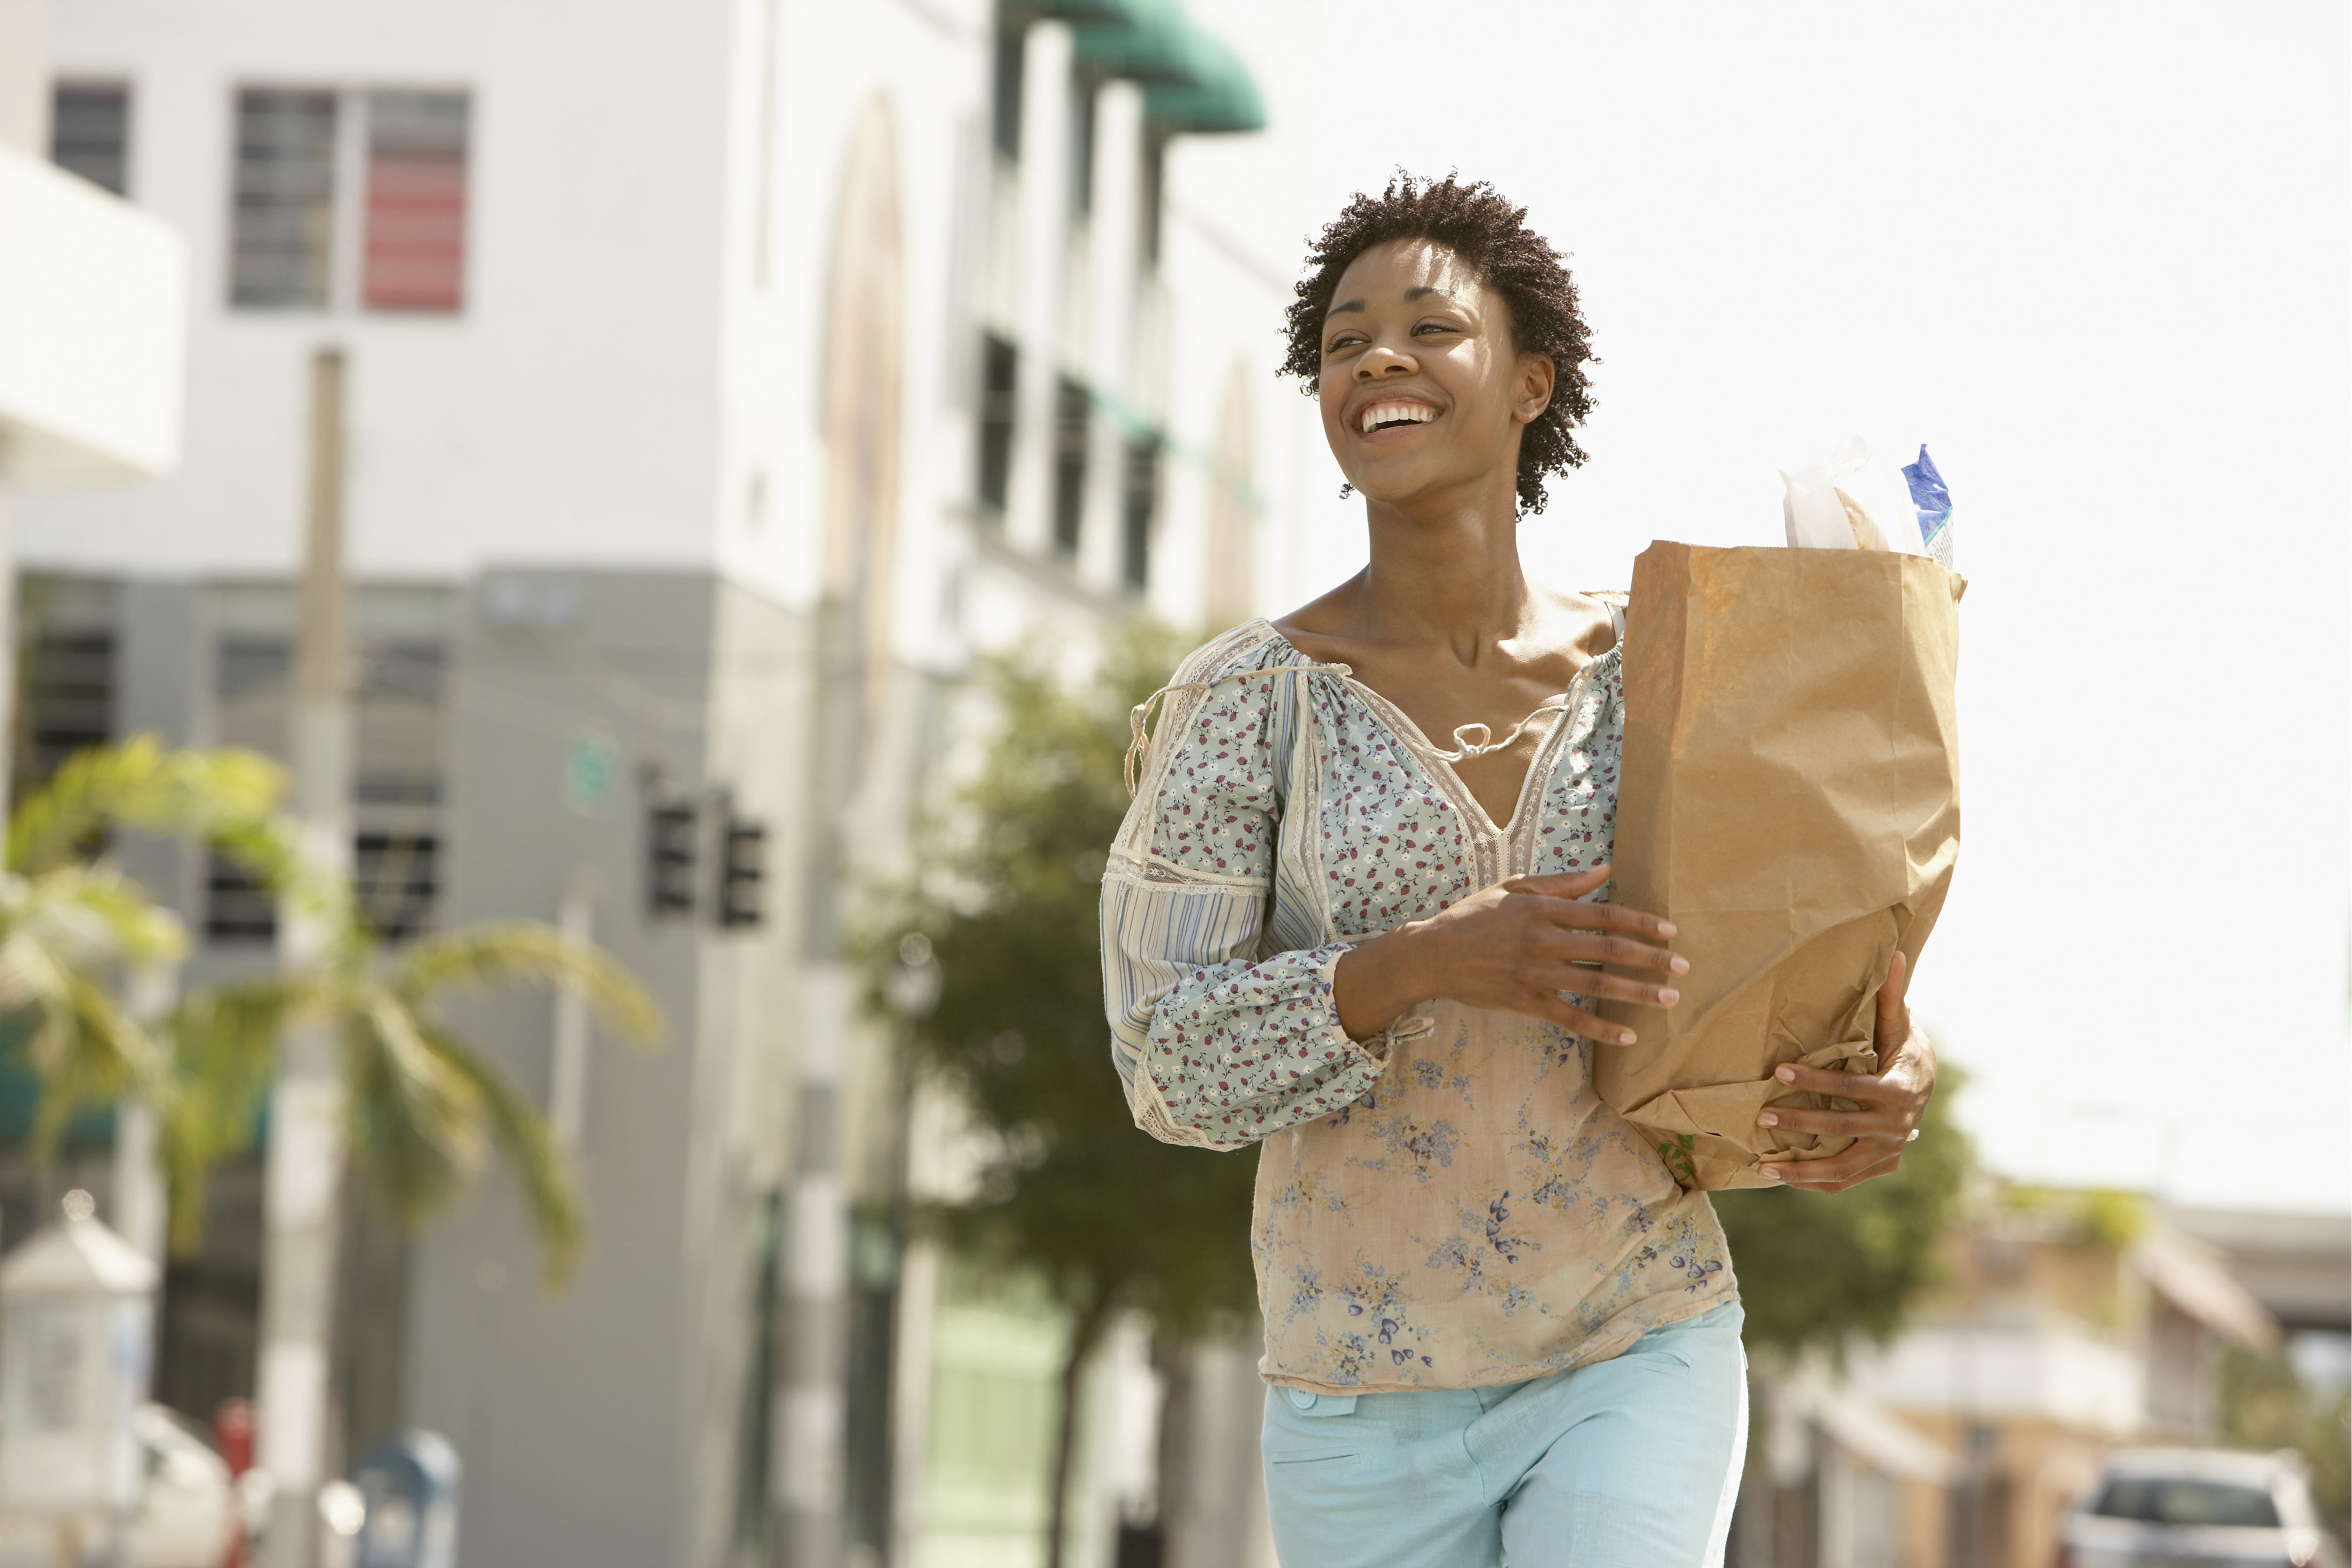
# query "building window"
(237, 907)
(89, 132)
(1005, 103)
(415, 245)
(1071, 407)
(395, 877)
(282, 234)
(397, 740)
(412, 227)
(1140, 495)
(1082, 145)
(1155, 172)
(68, 695)
(998, 373)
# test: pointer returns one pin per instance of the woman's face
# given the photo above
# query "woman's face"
(1422, 391)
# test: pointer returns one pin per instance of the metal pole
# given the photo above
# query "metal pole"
(306, 1103)
(567, 1068)
(7, 648)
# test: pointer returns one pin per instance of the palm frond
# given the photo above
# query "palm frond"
(139, 783)
(548, 1183)
(95, 917)
(493, 952)
(221, 1044)
(416, 1123)
(64, 936)
(88, 1052)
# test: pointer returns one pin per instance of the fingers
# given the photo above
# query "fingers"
(1898, 980)
(1561, 885)
(1596, 984)
(1829, 1124)
(1863, 1086)
(1894, 1017)
(1577, 1021)
(1863, 1161)
(1571, 914)
(1564, 889)
(1606, 941)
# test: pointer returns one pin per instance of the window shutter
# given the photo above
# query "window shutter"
(414, 247)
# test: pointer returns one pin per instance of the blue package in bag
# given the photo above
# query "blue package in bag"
(1934, 505)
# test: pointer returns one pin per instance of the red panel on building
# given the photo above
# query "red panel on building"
(414, 247)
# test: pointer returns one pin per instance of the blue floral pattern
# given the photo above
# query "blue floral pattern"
(1448, 1204)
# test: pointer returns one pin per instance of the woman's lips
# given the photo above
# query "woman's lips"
(1392, 416)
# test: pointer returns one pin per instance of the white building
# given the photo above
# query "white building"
(720, 377)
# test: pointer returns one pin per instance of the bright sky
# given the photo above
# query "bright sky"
(2095, 255)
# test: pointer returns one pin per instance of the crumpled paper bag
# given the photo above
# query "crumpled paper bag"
(1789, 798)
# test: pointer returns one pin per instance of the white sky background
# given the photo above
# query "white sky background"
(2096, 257)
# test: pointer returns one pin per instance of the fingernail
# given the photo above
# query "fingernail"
(1668, 995)
(1786, 1074)
(1767, 1120)
(1624, 1037)
(1769, 1173)
(1665, 928)
(1678, 965)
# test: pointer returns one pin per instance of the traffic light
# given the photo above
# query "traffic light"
(742, 873)
(670, 831)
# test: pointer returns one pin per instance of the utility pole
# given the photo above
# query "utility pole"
(306, 1103)
(811, 1419)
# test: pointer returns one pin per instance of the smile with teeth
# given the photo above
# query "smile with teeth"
(1381, 414)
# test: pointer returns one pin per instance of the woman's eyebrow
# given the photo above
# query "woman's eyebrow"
(1415, 293)
(1356, 305)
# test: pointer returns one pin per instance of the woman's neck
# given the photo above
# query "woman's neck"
(1444, 577)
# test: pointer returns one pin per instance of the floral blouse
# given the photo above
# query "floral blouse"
(1447, 1204)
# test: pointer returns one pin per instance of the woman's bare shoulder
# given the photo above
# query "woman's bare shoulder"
(1328, 627)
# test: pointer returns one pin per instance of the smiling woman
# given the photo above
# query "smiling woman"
(1486, 235)
(1495, 1321)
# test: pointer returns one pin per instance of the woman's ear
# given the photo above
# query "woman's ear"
(1537, 376)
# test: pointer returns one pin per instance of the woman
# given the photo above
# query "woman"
(1494, 1324)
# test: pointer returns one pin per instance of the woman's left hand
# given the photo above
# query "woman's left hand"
(1892, 1102)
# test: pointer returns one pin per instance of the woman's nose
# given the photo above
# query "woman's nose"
(1380, 360)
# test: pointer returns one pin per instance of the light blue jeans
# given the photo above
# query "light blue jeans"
(1629, 1463)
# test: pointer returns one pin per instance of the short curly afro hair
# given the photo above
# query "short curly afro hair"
(1478, 224)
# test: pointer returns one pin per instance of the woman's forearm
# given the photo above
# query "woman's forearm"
(1378, 979)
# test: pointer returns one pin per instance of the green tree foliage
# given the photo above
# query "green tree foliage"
(2267, 1405)
(1107, 1218)
(72, 927)
(427, 1108)
(1816, 1268)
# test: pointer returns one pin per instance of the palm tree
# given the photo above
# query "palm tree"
(72, 926)
(427, 1109)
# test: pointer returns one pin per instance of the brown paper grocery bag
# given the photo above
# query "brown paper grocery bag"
(1790, 799)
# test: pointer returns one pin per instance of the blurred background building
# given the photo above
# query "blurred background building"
(712, 401)
(2064, 1325)
(723, 383)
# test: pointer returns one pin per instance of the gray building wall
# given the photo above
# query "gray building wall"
(609, 1425)
(625, 1421)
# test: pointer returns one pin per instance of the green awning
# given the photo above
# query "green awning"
(1222, 95)
(1152, 42)
(1192, 81)
(1074, 10)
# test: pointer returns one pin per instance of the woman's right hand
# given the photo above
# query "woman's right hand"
(1513, 948)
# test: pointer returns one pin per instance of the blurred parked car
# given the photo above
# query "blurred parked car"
(187, 1512)
(2190, 1508)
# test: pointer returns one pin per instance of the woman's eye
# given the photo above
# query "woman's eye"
(1432, 327)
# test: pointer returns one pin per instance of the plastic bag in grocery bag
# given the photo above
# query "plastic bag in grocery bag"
(1850, 502)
